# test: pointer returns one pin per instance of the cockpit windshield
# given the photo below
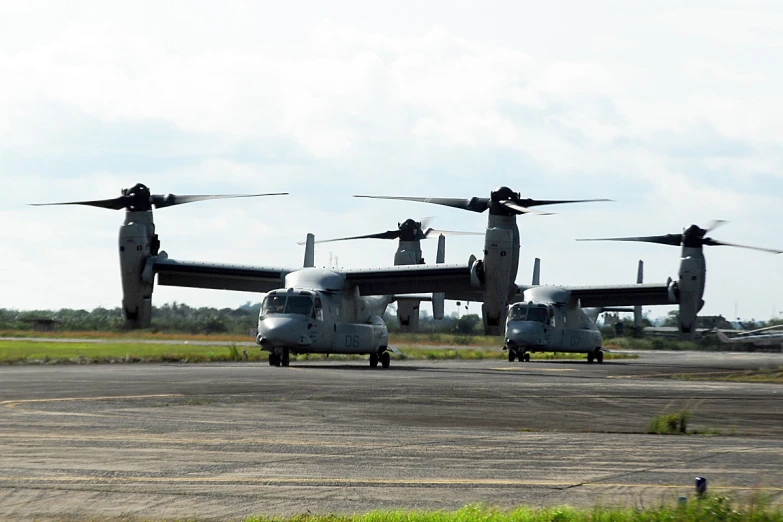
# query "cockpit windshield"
(273, 304)
(285, 304)
(537, 314)
(299, 304)
(518, 313)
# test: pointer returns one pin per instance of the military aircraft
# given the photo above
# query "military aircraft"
(754, 337)
(306, 310)
(689, 290)
(552, 319)
(501, 246)
(410, 233)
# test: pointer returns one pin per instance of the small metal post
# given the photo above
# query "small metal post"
(701, 486)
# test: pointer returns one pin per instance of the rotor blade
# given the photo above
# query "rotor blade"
(170, 200)
(539, 202)
(425, 222)
(712, 242)
(111, 204)
(433, 232)
(473, 204)
(523, 210)
(389, 234)
(668, 239)
(715, 223)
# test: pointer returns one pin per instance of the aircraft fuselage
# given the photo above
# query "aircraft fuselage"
(313, 316)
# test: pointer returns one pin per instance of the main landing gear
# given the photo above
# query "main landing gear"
(596, 355)
(279, 359)
(513, 353)
(384, 358)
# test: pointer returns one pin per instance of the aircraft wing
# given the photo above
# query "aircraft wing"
(619, 295)
(409, 279)
(216, 275)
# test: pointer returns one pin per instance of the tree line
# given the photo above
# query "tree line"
(181, 318)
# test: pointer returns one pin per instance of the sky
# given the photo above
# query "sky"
(671, 109)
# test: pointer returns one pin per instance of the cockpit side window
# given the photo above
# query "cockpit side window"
(273, 304)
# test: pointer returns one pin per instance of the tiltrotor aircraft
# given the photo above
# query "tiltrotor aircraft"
(410, 233)
(306, 310)
(689, 290)
(552, 319)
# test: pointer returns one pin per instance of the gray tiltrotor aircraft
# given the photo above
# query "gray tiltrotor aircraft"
(689, 289)
(552, 319)
(501, 246)
(307, 310)
(410, 233)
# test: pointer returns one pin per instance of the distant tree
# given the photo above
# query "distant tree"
(469, 324)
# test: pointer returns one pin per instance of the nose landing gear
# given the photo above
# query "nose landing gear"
(514, 353)
(279, 359)
(596, 355)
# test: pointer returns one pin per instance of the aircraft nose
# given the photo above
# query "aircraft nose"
(526, 333)
(283, 331)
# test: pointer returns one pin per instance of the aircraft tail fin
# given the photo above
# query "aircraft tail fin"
(637, 310)
(309, 257)
(439, 298)
(537, 272)
(722, 336)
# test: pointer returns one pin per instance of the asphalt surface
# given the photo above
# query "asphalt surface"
(231, 440)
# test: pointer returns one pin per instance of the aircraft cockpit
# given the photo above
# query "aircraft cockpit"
(532, 312)
(299, 303)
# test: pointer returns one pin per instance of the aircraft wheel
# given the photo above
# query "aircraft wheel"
(599, 356)
(373, 360)
(286, 358)
(512, 354)
(527, 357)
(385, 359)
(590, 357)
(272, 359)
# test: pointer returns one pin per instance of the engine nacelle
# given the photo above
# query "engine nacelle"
(408, 253)
(408, 315)
(499, 250)
(135, 249)
(690, 288)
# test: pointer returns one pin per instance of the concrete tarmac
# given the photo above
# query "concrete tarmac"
(231, 440)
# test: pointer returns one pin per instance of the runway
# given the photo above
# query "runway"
(236, 439)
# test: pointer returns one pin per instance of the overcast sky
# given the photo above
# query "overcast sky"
(672, 111)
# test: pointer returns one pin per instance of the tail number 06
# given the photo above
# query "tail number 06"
(351, 341)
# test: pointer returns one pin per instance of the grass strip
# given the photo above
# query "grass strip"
(710, 509)
(762, 375)
(20, 351)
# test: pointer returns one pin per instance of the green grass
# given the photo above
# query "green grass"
(670, 423)
(762, 375)
(710, 509)
(655, 343)
(478, 353)
(21, 351)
